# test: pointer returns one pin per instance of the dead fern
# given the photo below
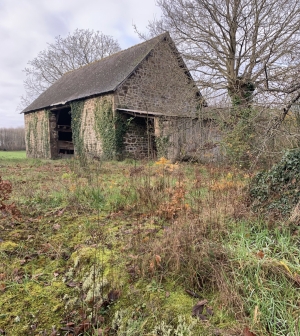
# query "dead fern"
(5, 194)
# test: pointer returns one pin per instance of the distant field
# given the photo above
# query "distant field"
(13, 155)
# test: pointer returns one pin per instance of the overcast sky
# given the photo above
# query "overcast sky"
(26, 26)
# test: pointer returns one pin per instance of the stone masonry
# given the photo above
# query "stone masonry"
(37, 137)
(91, 139)
(138, 141)
(159, 84)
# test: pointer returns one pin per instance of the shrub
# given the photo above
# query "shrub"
(277, 190)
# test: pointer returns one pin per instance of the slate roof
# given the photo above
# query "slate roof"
(96, 78)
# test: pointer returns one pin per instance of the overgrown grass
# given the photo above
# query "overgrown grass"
(162, 236)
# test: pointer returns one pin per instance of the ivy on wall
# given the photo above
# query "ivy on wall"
(28, 138)
(76, 122)
(110, 128)
(37, 134)
(239, 139)
(162, 145)
(45, 134)
(31, 135)
(162, 141)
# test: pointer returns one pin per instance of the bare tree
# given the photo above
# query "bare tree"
(82, 47)
(241, 47)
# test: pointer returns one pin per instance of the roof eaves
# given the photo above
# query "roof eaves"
(69, 101)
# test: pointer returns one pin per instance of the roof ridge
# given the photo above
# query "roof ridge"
(158, 37)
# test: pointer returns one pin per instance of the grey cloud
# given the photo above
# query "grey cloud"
(27, 26)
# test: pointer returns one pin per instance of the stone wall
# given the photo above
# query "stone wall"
(37, 137)
(177, 138)
(138, 140)
(159, 84)
(91, 138)
(42, 135)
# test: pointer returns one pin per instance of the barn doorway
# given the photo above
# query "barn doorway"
(65, 141)
(63, 130)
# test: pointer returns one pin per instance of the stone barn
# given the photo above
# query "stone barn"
(141, 102)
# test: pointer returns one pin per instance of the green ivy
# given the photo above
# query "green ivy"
(76, 122)
(28, 138)
(162, 142)
(277, 190)
(45, 134)
(239, 138)
(110, 128)
(32, 134)
(242, 93)
(35, 122)
(162, 145)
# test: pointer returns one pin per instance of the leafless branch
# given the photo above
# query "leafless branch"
(82, 47)
(235, 42)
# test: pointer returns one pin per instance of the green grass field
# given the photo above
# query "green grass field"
(12, 155)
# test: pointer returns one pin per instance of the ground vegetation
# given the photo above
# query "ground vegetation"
(141, 248)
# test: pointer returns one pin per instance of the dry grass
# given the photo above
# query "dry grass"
(195, 207)
(154, 230)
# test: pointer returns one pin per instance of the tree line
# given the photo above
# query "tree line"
(12, 139)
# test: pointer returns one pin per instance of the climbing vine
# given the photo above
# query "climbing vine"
(162, 144)
(45, 134)
(32, 134)
(240, 136)
(110, 129)
(76, 122)
(28, 142)
(162, 141)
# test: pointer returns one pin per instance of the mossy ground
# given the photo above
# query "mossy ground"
(151, 232)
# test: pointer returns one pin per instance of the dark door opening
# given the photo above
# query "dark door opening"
(64, 130)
